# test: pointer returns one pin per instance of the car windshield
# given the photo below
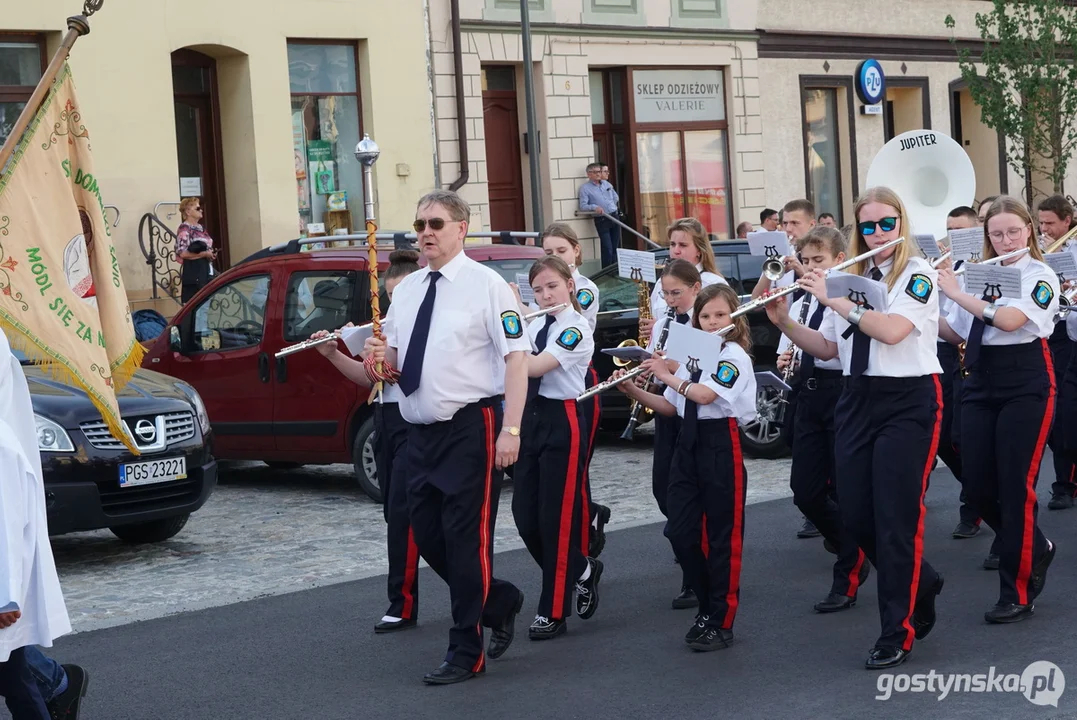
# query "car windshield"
(509, 269)
(616, 292)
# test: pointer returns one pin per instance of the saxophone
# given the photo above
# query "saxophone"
(643, 299)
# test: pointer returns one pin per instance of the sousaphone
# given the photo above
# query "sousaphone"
(931, 173)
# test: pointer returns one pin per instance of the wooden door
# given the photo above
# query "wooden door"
(504, 173)
(198, 142)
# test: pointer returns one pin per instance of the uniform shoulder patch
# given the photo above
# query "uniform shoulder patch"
(585, 298)
(919, 288)
(510, 322)
(569, 338)
(1043, 294)
(727, 374)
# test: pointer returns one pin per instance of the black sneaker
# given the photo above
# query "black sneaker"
(544, 628)
(503, 635)
(923, 613)
(598, 535)
(991, 562)
(965, 530)
(1060, 501)
(712, 639)
(808, 530)
(698, 628)
(687, 599)
(587, 590)
(1039, 571)
(65, 706)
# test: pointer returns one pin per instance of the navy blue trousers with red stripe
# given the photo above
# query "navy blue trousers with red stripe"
(1007, 409)
(1065, 471)
(591, 417)
(547, 499)
(389, 444)
(453, 492)
(949, 436)
(887, 435)
(705, 498)
(813, 472)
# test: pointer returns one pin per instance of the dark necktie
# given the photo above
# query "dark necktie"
(861, 342)
(976, 336)
(682, 318)
(807, 360)
(540, 343)
(412, 371)
(691, 414)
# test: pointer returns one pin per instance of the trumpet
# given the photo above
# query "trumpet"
(1060, 242)
(308, 344)
(997, 259)
(743, 310)
(774, 268)
(1065, 304)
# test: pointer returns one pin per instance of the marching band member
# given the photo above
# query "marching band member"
(968, 524)
(391, 433)
(707, 479)
(561, 240)
(688, 241)
(1056, 219)
(680, 284)
(887, 419)
(547, 495)
(818, 388)
(984, 206)
(1008, 403)
(798, 218)
(454, 332)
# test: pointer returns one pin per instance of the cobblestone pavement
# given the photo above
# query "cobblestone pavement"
(267, 532)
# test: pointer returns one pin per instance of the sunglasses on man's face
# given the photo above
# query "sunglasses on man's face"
(434, 223)
(886, 224)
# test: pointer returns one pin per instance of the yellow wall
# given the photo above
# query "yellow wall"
(124, 78)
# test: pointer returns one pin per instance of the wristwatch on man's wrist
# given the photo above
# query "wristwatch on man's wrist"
(511, 430)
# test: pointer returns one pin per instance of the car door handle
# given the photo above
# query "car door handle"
(263, 367)
(282, 370)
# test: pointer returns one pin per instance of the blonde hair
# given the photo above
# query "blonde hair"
(1007, 204)
(565, 232)
(857, 244)
(559, 266)
(185, 206)
(695, 230)
(741, 332)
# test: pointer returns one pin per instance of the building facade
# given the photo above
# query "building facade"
(255, 109)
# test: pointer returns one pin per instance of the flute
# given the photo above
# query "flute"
(307, 344)
(995, 260)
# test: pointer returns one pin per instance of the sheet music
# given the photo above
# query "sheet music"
(967, 244)
(928, 245)
(769, 243)
(685, 342)
(861, 290)
(527, 294)
(354, 338)
(641, 259)
(769, 379)
(632, 352)
(1064, 264)
(993, 280)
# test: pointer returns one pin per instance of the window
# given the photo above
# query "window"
(822, 145)
(326, 128)
(317, 301)
(609, 130)
(233, 317)
(22, 63)
(509, 269)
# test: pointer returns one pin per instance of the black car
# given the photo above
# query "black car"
(618, 320)
(92, 481)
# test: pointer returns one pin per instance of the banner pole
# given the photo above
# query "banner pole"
(77, 26)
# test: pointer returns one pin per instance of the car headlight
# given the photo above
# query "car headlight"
(197, 404)
(51, 437)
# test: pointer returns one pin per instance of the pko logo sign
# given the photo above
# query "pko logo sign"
(870, 82)
(1042, 683)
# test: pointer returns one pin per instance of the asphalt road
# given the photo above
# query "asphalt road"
(312, 654)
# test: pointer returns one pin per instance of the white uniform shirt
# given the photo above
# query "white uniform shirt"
(391, 393)
(917, 354)
(587, 297)
(656, 331)
(946, 306)
(1038, 301)
(734, 381)
(794, 312)
(658, 303)
(572, 346)
(475, 324)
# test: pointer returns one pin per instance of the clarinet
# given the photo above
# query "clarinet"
(787, 374)
(637, 407)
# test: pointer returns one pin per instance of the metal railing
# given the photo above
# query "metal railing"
(158, 244)
(651, 243)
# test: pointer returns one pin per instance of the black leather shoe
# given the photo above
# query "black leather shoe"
(687, 599)
(394, 626)
(502, 635)
(65, 706)
(587, 591)
(546, 629)
(447, 674)
(1004, 613)
(991, 562)
(697, 629)
(923, 614)
(835, 603)
(1039, 571)
(712, 639)
(965, 530)
(1060, 501)
(808, 530)
(830, 547)
(598, 536)
(881, 658)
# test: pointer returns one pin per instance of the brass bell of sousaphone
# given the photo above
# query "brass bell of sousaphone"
(930, 172)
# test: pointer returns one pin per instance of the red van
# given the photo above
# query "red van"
(297, 410)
